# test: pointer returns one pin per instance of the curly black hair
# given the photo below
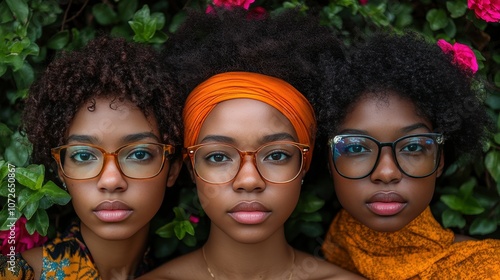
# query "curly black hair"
(105, 67)
(288, 46)
(416, 69)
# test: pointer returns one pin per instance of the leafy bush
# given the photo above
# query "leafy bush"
(32, 32)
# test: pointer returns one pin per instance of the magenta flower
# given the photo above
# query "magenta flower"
(228, 4)
(18, 237)
(463, 55)
(194, 219)
(488, 10)
(363, 2)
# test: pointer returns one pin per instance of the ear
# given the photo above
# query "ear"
(173, 171)
(189, 166)
(440, 168)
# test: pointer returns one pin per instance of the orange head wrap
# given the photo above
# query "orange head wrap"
(233, 85)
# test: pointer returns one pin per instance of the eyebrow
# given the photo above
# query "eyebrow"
(126, 139)
(406, 129)
(265, 139)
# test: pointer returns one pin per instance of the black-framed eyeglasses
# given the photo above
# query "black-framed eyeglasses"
(135, 160)
(277, 162)
(356, 156)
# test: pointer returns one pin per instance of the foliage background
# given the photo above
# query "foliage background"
(33, 32)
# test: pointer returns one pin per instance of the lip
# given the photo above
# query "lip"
(386, 203)
(112, 211)
(249, 212)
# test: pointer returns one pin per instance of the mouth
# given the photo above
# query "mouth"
(249, 213)
(386, 203)
(112, 211)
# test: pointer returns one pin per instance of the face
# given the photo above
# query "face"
(112, 206)
(248, 209)
(386, 200)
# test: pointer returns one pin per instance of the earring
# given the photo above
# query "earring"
(302, 182)
(64, 186)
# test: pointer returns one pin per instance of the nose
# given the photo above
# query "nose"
(248, 178)
(111, 178)
(386, 170)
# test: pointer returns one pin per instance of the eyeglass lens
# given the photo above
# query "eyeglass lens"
(135, 161)
(220, 163)
(356, 156)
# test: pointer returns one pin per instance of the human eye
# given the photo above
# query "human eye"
(82, 155)
(139, 155)
(277, 156)
(416, 145)
(354, 149)
(217, 157)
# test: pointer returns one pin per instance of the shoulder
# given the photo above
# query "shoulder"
(313, 267)
(15, 267)
(189, 266)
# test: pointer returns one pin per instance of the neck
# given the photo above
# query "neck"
(227, 258)
(116, 259)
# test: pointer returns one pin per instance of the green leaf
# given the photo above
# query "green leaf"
(189, 240)
(28, 197)
(20, 9)
(39, 222)
(19, 150)
(59, 40)
(126, 9)
(160, 20)
(456, 8)
(450, 29)
(31, 176)
(452, 218)
(104, 15)
(452, 201)
(492, 163)
(55, 194)
(5, 13)
(179, 231)
(467, 187)
(159, 38)
(6, 219)
(167, 230)
(31, 206)
(482, 226)
(24, 76)
(177, 21)
(187, 227)
(471, 206)
(311, 217)
(496, 79)
(437, 19)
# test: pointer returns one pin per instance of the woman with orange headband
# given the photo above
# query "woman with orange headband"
(248, 140)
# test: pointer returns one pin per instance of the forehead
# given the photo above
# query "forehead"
(109, 118)
(388, 111)
(246, 121)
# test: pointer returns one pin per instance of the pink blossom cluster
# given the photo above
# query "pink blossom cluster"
(488, 10)
(17, 239)
(463, 55)
(256, 13)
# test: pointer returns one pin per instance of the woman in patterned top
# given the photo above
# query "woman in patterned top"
(110, 117)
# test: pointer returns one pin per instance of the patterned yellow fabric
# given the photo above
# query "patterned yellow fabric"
(65, 257)
(421, 250)
(15, 269)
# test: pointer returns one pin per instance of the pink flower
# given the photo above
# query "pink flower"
(194, 219)
(228, 4)
(18, 237)
(463, 56)
(363, 2)
(488, 10)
